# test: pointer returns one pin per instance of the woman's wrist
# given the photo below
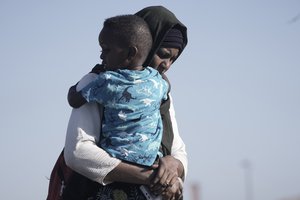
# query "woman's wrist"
(130, 173)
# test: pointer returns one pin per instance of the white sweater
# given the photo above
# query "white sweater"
(81, 151)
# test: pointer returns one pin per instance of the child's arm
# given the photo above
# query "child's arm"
(75, 98)
(98, 69)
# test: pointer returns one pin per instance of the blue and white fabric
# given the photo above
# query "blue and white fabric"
(132, 125)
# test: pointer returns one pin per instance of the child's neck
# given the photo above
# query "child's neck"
(139, 68)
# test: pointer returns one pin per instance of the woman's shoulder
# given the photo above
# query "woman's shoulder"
(85, 80)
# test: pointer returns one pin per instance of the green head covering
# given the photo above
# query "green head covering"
(160, 20)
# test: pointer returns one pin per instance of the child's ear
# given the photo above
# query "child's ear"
(132, 52)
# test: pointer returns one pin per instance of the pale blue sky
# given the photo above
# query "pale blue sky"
(236, 90)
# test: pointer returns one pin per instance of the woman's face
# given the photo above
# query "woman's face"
(163, 59)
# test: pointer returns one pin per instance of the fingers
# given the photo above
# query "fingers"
(160, 176)
(163, 185)
(158, 188)
(173, 181)
(173, 192)
(155, 166)
(166, 170)
(165, 178)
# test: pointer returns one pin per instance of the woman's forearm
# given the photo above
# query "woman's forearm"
(130, 173)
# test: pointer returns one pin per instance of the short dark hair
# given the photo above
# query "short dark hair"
(131, 30)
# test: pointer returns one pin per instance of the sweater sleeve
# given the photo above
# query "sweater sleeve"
(178, 150)
(81, 151)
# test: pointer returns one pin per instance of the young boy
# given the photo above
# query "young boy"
(130, 93)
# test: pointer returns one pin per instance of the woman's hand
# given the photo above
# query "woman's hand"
(173, 192)
(167, 174)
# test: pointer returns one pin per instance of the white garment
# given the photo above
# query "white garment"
(81, 151)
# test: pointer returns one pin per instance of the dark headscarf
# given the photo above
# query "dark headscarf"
(160, 21)
(173, 39)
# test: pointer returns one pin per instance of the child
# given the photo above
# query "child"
(130, 93)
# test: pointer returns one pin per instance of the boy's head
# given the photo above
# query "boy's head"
(125, 41)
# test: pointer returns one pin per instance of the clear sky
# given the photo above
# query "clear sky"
(236, 91)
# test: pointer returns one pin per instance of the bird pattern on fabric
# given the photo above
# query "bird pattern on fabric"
(132, 125)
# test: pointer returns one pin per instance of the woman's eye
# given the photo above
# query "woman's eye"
(164, 55)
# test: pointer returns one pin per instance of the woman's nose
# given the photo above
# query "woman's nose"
(167, 64)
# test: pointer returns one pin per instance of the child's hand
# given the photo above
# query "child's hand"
(98, 69)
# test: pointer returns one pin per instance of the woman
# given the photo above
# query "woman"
(84, 156)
